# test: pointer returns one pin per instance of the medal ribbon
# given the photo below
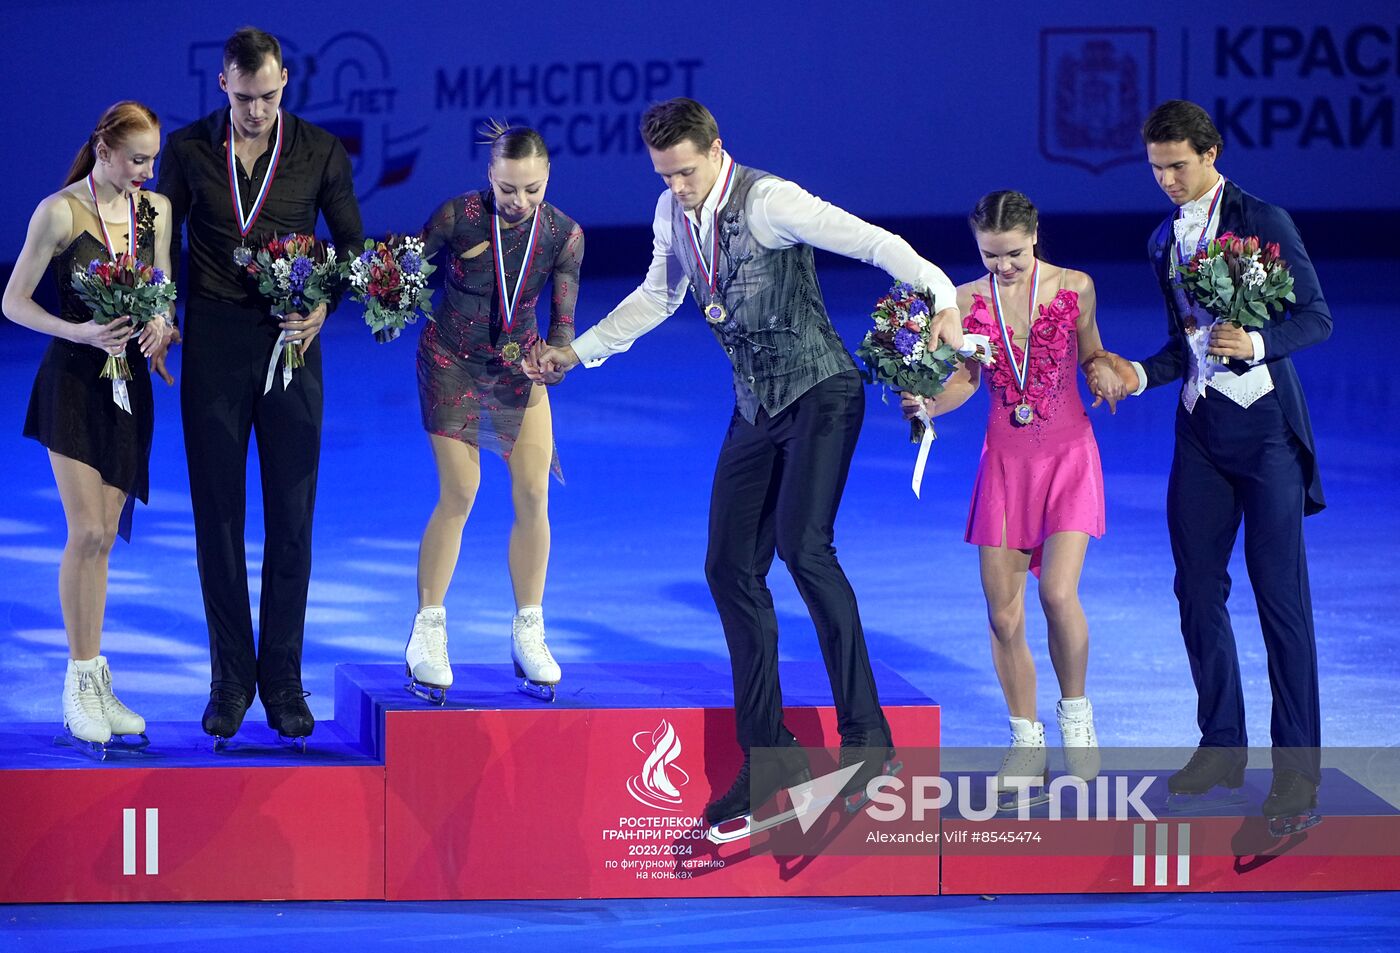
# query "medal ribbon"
(245, 223)
(102, 223)
(1201, 242)
(1022, 369)
(710, 272)
(509, 302)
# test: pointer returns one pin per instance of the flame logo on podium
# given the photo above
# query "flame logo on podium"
(659, 783)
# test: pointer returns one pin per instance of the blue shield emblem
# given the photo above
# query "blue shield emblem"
(1096, 87)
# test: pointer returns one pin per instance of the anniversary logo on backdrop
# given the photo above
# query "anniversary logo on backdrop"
(343, 86)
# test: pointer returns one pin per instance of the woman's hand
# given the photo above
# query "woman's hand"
(110, 337)
(153, 336)
(910, 405)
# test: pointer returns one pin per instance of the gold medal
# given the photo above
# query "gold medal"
(715, 313)
(510, 352)
(1023, 414)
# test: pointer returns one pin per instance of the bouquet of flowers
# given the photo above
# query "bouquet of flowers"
(295, 274)
(120, 288)
(1238, 280)
(391, 279)
(900, 351)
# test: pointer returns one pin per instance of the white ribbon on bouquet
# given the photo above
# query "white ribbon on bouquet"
(976, 347)
(277, 350)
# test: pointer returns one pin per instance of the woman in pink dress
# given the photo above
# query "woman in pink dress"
(1039, 491)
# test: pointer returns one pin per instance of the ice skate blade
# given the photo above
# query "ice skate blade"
(545, 693)
(1213, 800)
(802, 802)
(296, 744)
(93, 749)
(718, 835)
(1293, 824)
(1014, 803)
(138, 742)
(854, 802)
(222, 744)
(432, 694)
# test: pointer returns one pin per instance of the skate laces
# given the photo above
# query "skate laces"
(293, 696)
(741, 782)
(1078, 732)
(431, 636)
(88, 694)
(109, 697)
(529, 640)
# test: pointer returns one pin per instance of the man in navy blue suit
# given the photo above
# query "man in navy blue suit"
(1244, 448)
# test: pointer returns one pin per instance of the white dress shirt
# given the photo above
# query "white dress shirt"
(1197, 223)
(780, 214)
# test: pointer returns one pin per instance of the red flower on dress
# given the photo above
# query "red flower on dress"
(1051, 337)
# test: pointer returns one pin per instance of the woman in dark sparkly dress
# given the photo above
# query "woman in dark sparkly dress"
(502, 245)
(98, 434)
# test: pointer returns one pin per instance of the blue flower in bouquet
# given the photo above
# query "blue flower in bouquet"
(92, 266)
(411, 263)
(904, 341)
(157, 276)
(902, 289)
(367, 256)
(301, 270)
(918, 307)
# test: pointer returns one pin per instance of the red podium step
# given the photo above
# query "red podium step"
(177, 822)
(1356, 846)
(601, 794)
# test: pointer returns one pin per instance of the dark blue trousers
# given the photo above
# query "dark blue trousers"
(1234, 463)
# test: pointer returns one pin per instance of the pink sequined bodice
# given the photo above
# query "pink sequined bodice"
(1050, 387)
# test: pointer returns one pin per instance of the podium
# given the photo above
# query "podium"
(497, 795)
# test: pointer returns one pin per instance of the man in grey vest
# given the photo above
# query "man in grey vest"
(742, 240)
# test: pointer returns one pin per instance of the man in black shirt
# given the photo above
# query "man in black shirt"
(240, 176)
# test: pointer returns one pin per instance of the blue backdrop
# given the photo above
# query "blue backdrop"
(893, 110)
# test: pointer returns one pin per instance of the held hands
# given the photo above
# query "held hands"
(545, 364)
(1110, 377)
(1229, 340)
(302, 330)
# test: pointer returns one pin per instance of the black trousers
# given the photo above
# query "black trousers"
(226, 353)
(778, 483)
(1233, 462)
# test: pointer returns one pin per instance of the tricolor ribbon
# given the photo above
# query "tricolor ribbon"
(1181, 256)
(245, 222)
(1019, 370)
(710, 271)
(510, 300)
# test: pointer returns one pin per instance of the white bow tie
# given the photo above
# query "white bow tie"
(1194, 217)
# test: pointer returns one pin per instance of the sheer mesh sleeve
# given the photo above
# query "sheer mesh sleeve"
(565, 280)
(438, 230)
